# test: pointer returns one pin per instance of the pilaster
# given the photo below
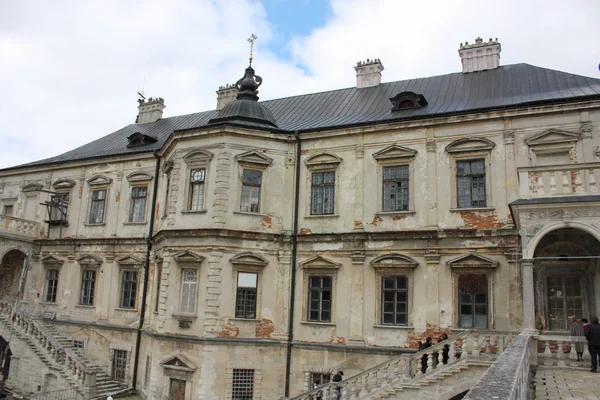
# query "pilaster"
(512, 187)
(282, 306)
(221, 196)
(359, 188)
(432, 217)
(213, 292)
(528, 296)
(432, 317)
(356, 299)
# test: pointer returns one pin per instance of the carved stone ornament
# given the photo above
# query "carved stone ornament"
(586, 131)
(394, 152)
(509, 136)
(431, 145)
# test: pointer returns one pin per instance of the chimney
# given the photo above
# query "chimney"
(368, 73)
(225, 95)
(150, 110)
(480, 56)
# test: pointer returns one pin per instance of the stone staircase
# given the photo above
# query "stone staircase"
(408, 376)
(57, 352)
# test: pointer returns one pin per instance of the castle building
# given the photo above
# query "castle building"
(251, 251)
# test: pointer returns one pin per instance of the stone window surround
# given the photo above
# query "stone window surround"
(395, 156)
(197, 158)
(318, 266)
(111, 354)
(252, 263)
(88, 262)
(256, 161)
(98, 182)
(322, 162)
(51, 262)
(129, 264)
(316, 369)
(257, 388)
(184, 371)
(543, 144)
(138, 180)
(187, 260)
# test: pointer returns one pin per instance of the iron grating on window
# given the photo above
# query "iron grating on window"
(243, 384)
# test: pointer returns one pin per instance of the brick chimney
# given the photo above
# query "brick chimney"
(225, 95)
(480, 55)
(150, 110)
(368, 73)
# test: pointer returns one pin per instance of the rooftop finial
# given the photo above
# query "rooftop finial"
(251, 40)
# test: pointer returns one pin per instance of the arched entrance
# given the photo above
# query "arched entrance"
(565, 265)
(5, 356)
(10, 272)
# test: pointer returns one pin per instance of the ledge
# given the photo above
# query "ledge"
(402, 327)
(392, 213)
(190, 212)
(322, 216)
(316, 323)
(136, 223)
(92, 225)
(251, 214)
(184, 316)
(478, 209)
(252, 320)
(126, 309)
(84, 306)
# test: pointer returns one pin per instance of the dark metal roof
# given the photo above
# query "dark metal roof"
(245, 110)
(457, 93)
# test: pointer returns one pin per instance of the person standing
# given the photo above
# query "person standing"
(577, 333)
(428, 343)
(338, 378)
(592, 334)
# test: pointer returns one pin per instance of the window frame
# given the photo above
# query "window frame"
(182, 282)
(122, 289)
(187, 260)
(91, 207)
(322, 162)
(459, 301)
(409, 205)
(132, 202)
(92, 289)
(196, 158)
(88, 263)
(243, 168)
(248, 262)
(46, 285)
(237, 294)
(471, 177)
(320, 300)
(191, 206)
(313, 188)
(319, 266)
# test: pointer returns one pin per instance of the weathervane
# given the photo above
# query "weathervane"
(251, 40)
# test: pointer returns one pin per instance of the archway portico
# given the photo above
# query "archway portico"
(11, 265)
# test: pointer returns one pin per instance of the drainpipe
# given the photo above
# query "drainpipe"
(138, 336)
(288, 360)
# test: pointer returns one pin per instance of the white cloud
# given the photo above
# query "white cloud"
(70, 70)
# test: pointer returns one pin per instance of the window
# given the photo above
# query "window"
(322, 193)
(78, 344)
(565, 298)
(243, 384)
(196, 201)
(319, 298)
(473, 301)
(189, 283)
(97, 207)
(119, 365)
(318, 379)
(245, 304)
(8, 211)
(167, 193)
(470, 181)
(394, 300)
(137, 209)
(395, 188)
(158, 279)
(251, 183)
(128, 289)
(58, 207)
(88, 282)
(51, 285)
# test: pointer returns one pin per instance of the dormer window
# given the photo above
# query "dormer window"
(407, 100)
(139, 139)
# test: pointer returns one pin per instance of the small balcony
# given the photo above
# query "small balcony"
(21, 228)
(558, 180)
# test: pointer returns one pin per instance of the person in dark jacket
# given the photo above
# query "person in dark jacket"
(592, 334)
(338, 378)
(428, 343)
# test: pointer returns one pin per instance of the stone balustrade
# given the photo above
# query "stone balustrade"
(560, 351)
(20, 227)
(558, 180)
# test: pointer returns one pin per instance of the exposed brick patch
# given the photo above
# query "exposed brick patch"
(377, 220)
(430, 331)
(304, 152)
(118, 198)
(264, 329)
(305, 231)
(398, 217)
(337, 340)
(266, 221)
(474, 219)
(229, 331)
(357, 224)
(80, 192)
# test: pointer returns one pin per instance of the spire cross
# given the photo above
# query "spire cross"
(251, 40)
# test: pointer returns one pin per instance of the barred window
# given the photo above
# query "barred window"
(137, 210)
(470, 181)
(394, 302)
(196, 200)
(242, 387)
(51, 285)
(317, 379)
(88, 283)
(395, 188)
(319, 298)
(189, 282)
(97, 206)
(245, 304)
(322, 193)
(251, 184)
(128, 289)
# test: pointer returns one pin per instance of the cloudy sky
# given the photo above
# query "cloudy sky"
(70, 70)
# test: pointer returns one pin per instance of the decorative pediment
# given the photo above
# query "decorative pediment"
(254, 157)
(198, 155)
(470, 144)
(130, 261)
(33, 187)
(52, 261)
(63, 184)
(394, 260)
(249, 259)
(139, 177)
(552, 136)
(323, 159)
(472, 260)
(188, 257)
(394, 151)
(89, 261)
(178, 363)
(98, 180)
(319, 262)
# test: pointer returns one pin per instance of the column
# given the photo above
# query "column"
(528, 296)
(356, 299)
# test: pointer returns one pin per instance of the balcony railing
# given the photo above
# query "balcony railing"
(558, 180)
(20, 227)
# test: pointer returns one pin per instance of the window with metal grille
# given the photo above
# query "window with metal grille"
(78, 344)
(251, 183)
(317, 379)
(119, 365)
(88, 283)
(196, 200)
(245, 302)
(128, 289)
(51, 285)
(395, 188)
(473, 299)
(394, 300)
(565, 298)
(322, 193)
(319, 298)
(158, 279)
(97, 206)
(242, 387)
(167, 193)
(58, 207)
(189, 284)
(137, 210)
(470, 181)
